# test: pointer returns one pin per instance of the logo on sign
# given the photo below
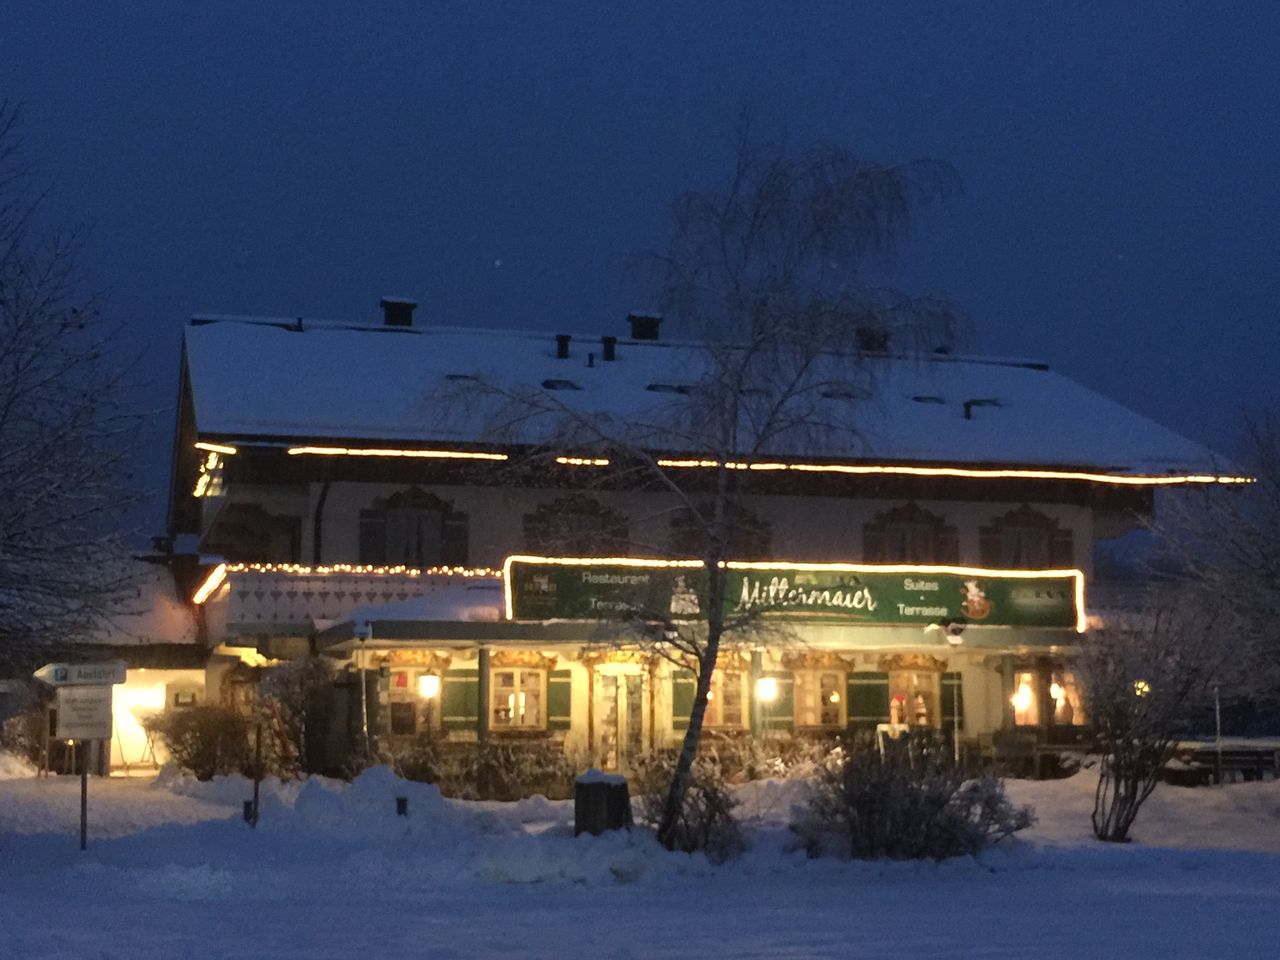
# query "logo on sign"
(60, 675)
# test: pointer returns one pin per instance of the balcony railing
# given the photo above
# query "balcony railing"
(290, 599)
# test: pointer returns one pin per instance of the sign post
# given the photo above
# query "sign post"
(84, 714)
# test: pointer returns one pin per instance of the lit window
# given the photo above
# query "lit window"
(819, 698)
(516, 697)
(726, 703)
(1026, 704)
(1068, 711)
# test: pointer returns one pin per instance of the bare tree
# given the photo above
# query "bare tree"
(64, 435)
(1145, 677)
(762, 279)
(1225, 545)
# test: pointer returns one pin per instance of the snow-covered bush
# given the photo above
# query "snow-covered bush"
(205, 740)
(706, 823)
(748, 758)
(908, 803)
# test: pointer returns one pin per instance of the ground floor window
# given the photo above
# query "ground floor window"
(516, 699)
(1026, 704)
(412, 702)
(914, 697)
(819, 698)
(1068, 709)
(727, 699)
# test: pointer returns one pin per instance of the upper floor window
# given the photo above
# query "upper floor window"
(413, 528)
(576, 525)
(910, 534)
(748, 536)
(245, 532)
(1025, 538)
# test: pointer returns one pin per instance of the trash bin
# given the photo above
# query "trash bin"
(600, 802)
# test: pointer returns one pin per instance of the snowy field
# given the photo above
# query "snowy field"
(332, 872)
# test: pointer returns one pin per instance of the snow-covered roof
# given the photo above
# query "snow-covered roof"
(273, 378)
(478, 601)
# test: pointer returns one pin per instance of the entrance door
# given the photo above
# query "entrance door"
(619, 719)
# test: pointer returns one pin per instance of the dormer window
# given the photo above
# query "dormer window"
(559, 385)
(928, 398)
(681, 388)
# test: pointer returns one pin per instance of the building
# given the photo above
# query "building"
(340, 490)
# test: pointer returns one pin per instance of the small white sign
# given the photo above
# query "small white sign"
(73, 674)
(84, 713)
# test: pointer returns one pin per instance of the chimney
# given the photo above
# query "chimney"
(610, 348)
(562, 346)
(397, 312)
(644, 326)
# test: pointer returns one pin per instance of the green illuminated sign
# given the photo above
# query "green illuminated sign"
(853, 594)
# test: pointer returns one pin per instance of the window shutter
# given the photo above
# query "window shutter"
(990, 547)
(868, 695)
(1061, 548)
(460, 699)
(559, 699)
(373, 536)
(952, 701)
(873, 543)
(683, 688)
(454, 540)
(781, 714)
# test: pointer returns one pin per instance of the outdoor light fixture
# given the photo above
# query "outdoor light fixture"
(428, 686)
(1056, 691)
(767, 689)
(1141, 688)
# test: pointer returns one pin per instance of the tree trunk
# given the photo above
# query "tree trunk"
(669, 827)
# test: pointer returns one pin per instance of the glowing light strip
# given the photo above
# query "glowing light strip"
(1133, 480)
(217, 448)
(216, 578)
(349, 569)
(582, 461)
(991, 573)
(392, 452)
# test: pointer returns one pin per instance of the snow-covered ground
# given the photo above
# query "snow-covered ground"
(331, 871)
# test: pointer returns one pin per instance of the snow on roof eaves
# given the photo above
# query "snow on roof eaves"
(283, 377)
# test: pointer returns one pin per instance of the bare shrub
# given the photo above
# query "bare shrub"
(911, 803)
(206, 740)
(706, 822)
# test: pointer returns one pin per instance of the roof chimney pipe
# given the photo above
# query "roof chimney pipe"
(562, 346)
(397, 311)
(644, 326)
(609, 346)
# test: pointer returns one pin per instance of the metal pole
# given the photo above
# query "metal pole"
(84, 794)
(257, 768)
(364, 702)
(1217, 720)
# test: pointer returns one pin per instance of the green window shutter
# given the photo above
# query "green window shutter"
(868, 699)
(460, 699)
(559, 699)
(781, 714)
(952, 701)
(683, 687)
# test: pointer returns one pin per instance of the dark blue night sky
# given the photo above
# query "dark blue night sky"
(499, 161)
